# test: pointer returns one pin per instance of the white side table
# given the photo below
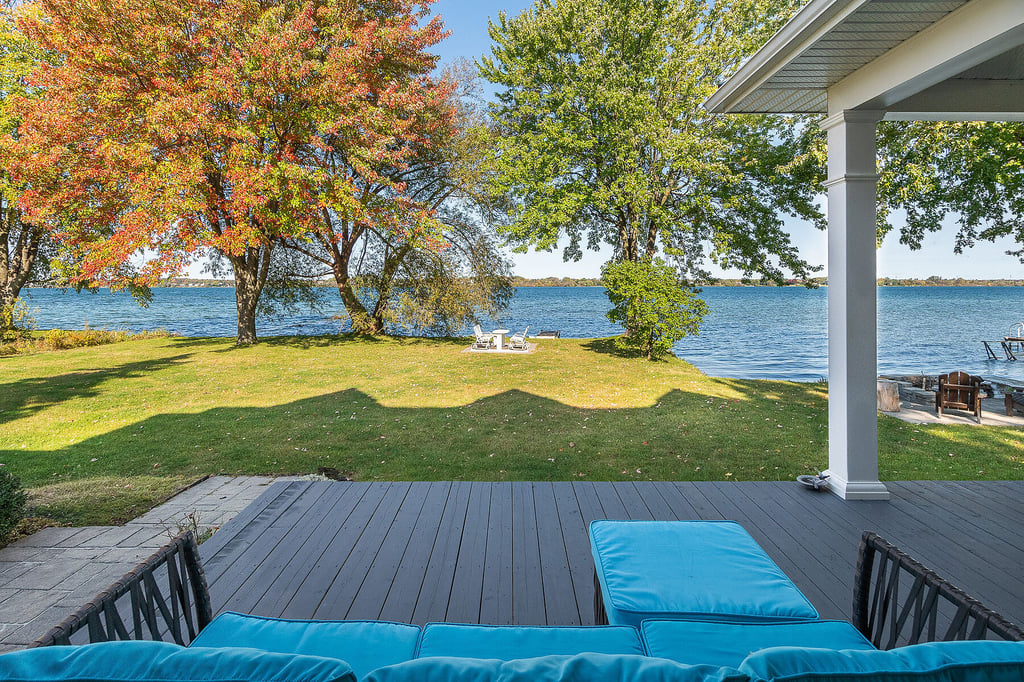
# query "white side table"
(500, 333)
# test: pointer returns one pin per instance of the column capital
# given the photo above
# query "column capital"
(851, 116)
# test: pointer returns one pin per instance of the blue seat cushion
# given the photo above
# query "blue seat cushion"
(704, 570)
(165, 662)
(727, 644)
(364, 645)
(977, 661)
(509, 642)
(580, 668)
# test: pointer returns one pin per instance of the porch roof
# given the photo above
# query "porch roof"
(913, 59)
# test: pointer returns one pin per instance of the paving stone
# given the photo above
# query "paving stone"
(44, 576)
(13, 553)
(87, 534)
(12, 570)
(87, 571)
(26, 605)
(91, 588)
(80, 553)
(145, 536)
(48, 537)
(112, 536)
(7, 629)
(37, 627)
(125, 555)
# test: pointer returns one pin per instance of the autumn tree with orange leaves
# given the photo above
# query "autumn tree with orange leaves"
(170, 128)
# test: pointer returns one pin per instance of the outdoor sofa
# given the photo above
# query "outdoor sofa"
(902, 612)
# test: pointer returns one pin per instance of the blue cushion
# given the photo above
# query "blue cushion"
(727, 644)
(704, 570)
(581, 668)
(507, 642)
(164, 662)
(364, 645)
(978, 661)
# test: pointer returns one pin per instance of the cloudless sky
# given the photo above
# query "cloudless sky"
(467, 21)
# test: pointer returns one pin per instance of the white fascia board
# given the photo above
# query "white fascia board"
(965, 38)
(807, 26)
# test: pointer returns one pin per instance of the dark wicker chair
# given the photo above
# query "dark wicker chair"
(165, 597)
(897, 601)
(959, 391)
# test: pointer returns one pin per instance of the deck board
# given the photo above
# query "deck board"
(273, 602)
(400, 603)
(368, 597)
(280, 558)
(559, 595)
(496, 600)
(527, 580)
(518, 553)
(432, 603)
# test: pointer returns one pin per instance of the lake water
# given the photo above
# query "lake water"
(751, 333)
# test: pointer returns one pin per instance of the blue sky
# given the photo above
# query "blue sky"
(467, 21)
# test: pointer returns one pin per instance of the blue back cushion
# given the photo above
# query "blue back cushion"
(977, 661)
(581, 668)
(164, 662)
(727, 644)
(708, 570)
(508, 642)
(364, 645)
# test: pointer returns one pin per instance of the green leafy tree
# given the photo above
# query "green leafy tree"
(650, 300)
(390, 278)
(973, 170)
(604, 140)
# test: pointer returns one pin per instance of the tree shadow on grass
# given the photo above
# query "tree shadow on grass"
(613, 346)
(25, 397)
(348, 338)
(318, 341)
(512, 435)
(715, 430)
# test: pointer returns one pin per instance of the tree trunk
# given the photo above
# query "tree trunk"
(7, 296)
(888, 396)
(251, 269)
(19, 249)
(387, 278)
(362, 321)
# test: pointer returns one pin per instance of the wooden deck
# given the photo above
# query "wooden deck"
(518, 552)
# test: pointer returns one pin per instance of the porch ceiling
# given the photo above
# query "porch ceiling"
(803, 67)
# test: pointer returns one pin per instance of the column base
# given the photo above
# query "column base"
(857, 490)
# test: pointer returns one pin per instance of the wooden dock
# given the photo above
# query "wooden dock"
(518, 553)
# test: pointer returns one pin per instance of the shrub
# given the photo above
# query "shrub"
(59, 339)
(12, 504)
(654, 305)
(16, 321)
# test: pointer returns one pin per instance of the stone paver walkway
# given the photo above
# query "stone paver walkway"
(45, 577)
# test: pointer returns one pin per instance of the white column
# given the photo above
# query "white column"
(852, 414)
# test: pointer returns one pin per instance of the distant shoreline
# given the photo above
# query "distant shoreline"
(190, 283)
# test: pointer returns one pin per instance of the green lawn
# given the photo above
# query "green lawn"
(101, 433)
